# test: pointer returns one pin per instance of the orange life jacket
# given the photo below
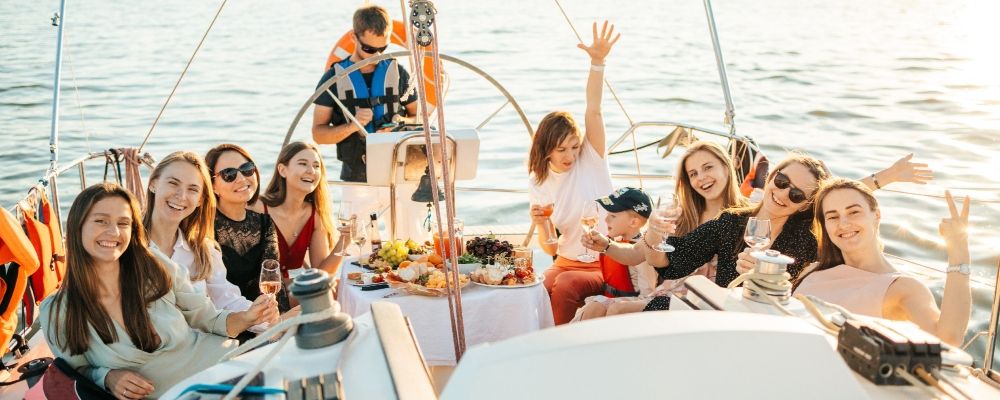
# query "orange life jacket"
(16, 248)
(617, 282)
(46, 279)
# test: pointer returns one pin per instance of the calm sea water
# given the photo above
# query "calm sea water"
(855, 83)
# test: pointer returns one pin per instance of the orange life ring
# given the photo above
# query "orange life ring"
(345, 47)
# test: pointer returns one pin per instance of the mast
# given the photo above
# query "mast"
(57, 20)
(730, 110)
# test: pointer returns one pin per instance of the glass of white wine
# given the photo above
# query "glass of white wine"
(359, 234)
(270, 277)
(757, 234)
(346, 219)
(666, 205)
(588, 219)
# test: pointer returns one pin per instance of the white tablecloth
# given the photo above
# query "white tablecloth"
(490, 314)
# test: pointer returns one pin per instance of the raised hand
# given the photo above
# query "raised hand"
(955, 230)
(904, 170)
(602, 43)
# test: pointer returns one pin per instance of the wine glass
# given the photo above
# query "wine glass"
(665, 205)
(270, 277)
(346, 220)
(344, 213)
(359, 234)
(757, 233)
(588, 219)
(544, 200)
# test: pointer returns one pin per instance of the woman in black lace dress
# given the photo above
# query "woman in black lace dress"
(247, 237)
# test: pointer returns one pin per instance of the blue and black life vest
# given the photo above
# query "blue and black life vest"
(383, 98)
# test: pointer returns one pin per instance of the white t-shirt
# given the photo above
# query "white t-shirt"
(587, 180)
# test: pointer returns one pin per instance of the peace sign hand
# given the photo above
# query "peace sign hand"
(602, 44)
(955, 230)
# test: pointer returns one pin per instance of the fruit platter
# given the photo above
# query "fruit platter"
(392, 254)
(423, 277)
(506, 276)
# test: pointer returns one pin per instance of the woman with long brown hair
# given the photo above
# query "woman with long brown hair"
(706, 184)
(247, 237)
(568, 168)
(126, 318)
(299, 205)
(853, 272)
(180, 221)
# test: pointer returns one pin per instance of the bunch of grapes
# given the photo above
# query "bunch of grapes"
(393, 252)
(414, 247)
(487, 248)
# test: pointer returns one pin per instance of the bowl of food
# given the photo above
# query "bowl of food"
(468, 263)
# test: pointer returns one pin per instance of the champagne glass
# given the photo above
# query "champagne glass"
(588, 219)
(270, 277)
(359, 234)
(757, 233)
(665, 205)
(544, 200)
(344, 213)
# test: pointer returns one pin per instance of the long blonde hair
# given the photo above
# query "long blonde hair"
(142, 280)
(199, 227)
(320, 198)
(692, 203)
(554, 128)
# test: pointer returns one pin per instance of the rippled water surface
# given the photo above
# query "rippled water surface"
(856, 83)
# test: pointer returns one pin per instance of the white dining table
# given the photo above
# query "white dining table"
(490, 314)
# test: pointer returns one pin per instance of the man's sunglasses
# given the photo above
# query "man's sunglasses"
(229, 174)
(369, 49)
(796, 195)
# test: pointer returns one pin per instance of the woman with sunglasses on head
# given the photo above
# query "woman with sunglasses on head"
(299, 205)
(247, 237)
(126, 317)
(853, 272)
(569, 169)
(180, 223)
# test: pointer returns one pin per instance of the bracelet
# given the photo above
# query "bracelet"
(597, 67)
(875, 180)
(962, 268)
(607, 247)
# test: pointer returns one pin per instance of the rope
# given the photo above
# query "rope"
(79, 105)
(133, 179)
(938, 196)
(912, 380)
(183, 73)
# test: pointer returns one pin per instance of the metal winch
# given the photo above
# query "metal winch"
(312, 289)
(771, 277)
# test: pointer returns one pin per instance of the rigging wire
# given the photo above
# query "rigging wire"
(183, 73)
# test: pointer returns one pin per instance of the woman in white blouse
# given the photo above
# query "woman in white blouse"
(179, 220)
(126, 318)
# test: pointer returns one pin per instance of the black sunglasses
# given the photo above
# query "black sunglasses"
(369, 49)
(229, 174)
(796, 195)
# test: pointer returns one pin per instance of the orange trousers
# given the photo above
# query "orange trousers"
(569, 282)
